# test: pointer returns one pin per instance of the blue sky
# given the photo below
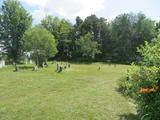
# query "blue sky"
(69, 9)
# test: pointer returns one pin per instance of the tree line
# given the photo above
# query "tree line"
(91, 39)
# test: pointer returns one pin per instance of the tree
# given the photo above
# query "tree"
(128, 31)
(121, 35)
(87, 48)
(117, 40)
(98, 27)
(61, 29)
(75, 35)
(78, 28)
(64, 42)
(145, 29)
(91, 24)
(106, 44)
(158, 27)
(41, 43)
(52, 24)
(0, 52)
(14, 22)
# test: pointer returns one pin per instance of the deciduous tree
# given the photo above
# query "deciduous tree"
(87, 47)
(14, 21)
(40, 43)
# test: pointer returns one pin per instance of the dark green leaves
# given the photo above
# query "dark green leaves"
(14, 22)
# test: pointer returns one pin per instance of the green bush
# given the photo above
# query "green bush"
(143, 83)
(127, 84)
(148, 104)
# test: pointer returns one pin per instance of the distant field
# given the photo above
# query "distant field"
(81, 92)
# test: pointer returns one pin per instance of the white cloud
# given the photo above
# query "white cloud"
(116, 7)
(35, 2)
(38, 15)
(66, 8)
(106, 8)
(73, 8)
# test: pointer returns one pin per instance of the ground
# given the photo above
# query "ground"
(81, 92)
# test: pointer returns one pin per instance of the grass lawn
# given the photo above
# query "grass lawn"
(81, 92)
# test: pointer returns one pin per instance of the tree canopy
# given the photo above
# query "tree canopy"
(40, 43)
(61, 30)
(14, 21)
(128, 31)
(115, 40)
(87, 47)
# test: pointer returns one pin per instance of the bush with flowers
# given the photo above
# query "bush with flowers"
(142, 82)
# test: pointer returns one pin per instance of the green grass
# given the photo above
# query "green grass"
(81, 92)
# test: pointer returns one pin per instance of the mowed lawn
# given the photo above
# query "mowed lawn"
(81, 92)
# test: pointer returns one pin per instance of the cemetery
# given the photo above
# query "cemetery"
(79, 60)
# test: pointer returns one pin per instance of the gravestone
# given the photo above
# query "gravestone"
(57, 69)
(2, 63)
(35, 68)
(60, 69)
(99, 68)
(69, 65)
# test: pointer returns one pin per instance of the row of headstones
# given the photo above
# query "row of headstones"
(44, 65)
(35, 68)
(60, 68)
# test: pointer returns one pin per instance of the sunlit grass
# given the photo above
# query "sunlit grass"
(81, 92)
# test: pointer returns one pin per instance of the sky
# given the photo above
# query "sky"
(109, 9)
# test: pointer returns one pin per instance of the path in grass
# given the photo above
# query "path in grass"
(80, 93)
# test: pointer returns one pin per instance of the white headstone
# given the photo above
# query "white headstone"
(2, 63)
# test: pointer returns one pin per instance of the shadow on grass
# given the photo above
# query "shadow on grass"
(83, 61)
(129, 117)
(25, 67)
(78, 62)
(89, 63)
(120, 91)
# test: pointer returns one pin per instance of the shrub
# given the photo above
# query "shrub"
(127, 84)
(143, 83)
(148, 101)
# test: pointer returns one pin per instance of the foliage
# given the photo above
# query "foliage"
(1, 52)
(14, 22)
(129, 31)
(127, 83)
(61, 30)
(117, 39)
(40, 43)
(151, 53)
(87, 47)
(144, 84)
(99, 29)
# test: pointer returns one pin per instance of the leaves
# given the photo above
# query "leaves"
(151, 53)
(41, 43)
(88, 48)
(61, 29)
(14, 22)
